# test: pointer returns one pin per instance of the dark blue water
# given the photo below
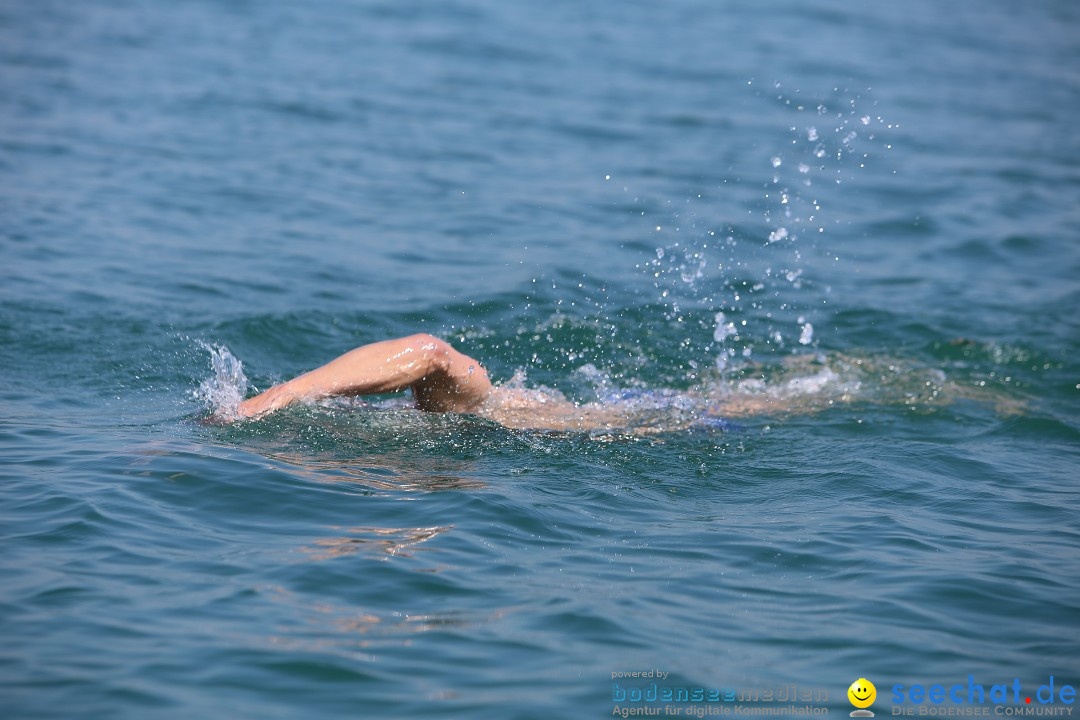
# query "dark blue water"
(862, 221)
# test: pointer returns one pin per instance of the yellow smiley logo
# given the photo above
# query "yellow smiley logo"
(862, 693)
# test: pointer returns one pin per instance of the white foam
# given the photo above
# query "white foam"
(223, 391)
(813, 384)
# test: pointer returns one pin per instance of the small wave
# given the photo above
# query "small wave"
(222, 392)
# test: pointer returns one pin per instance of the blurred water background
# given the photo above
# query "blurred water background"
(866, 214)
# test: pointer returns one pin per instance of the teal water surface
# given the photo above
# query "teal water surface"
(863, 221)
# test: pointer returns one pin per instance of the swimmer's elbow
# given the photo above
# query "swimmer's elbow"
(435, 351)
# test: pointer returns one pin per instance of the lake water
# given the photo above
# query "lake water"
(864, 217)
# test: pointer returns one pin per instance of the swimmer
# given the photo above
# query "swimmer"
(442, 379)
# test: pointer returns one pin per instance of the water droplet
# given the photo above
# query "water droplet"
(723, 329)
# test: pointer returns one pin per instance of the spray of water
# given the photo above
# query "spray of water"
(754, 277)
(222, 392)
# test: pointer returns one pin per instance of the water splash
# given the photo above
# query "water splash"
(756, 277)
(222, 392)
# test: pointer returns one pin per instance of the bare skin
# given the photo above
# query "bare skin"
(441, 378)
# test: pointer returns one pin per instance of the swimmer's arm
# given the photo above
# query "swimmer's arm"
(442, 379)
